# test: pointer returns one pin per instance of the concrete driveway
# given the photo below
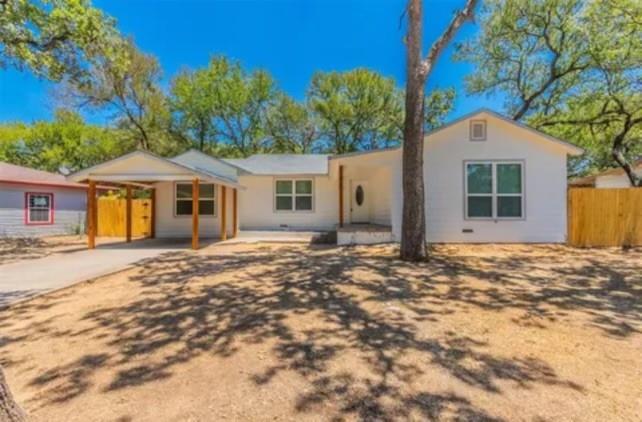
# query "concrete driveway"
(24, 279)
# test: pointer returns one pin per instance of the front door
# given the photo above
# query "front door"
(360, 202)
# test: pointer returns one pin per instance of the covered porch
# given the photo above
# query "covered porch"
(365, 197)
(186, 202)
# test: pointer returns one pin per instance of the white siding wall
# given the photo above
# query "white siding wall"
(257, 211)
(445, 153)
(69, 210)
(613, 181)
(381, 185)
(544, 180)
(170, 226)
(377, 174)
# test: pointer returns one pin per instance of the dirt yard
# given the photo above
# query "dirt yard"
(284, 332)
(22, 249)
(18, 249)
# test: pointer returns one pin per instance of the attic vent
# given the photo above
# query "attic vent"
(478, 130)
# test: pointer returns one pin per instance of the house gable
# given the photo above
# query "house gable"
(135, 166)
(542, 162)
(498, 126)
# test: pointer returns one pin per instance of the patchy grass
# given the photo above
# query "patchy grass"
(293, 332)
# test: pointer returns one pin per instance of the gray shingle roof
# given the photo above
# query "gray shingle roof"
(282, 164)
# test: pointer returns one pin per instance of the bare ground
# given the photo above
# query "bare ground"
(14, 249)
(285, 332)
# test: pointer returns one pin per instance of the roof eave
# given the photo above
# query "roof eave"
(88, 174)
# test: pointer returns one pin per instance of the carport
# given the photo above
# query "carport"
(144, 170)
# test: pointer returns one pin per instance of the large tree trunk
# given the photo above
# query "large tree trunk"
(9, 409)
(413, 227)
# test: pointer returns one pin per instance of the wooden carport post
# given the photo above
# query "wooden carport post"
(223, 214)
(340, 196)
(152, 214)
(195, 213)
(235, 213)
(91, 215)
(128, 213)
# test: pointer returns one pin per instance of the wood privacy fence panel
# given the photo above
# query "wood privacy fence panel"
(605, 217)
(111, 217)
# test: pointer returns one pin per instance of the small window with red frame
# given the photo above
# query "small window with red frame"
(39, 208)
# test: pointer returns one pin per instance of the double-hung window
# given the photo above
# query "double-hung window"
(494, 190)
(293, 195)
(206, 199)
(39, 208)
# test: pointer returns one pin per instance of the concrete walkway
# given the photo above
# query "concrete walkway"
(28, 278)
(269, 236)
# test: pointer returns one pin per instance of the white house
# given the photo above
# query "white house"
(487, 179)
(36, 203)
(614, 178)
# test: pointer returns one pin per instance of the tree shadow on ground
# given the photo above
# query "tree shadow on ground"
(13, 249)
(316, 305)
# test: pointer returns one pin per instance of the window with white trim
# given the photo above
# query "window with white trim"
(39, 208)
(293, 195)
(206, 199)
(494, 189)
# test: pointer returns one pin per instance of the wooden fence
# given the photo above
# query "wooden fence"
(111, 217)
(605, 217)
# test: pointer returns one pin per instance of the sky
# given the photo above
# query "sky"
(291, 39)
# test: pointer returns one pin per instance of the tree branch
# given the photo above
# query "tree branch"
(458, 20)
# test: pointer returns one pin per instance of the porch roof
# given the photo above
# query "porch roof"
(143, 166)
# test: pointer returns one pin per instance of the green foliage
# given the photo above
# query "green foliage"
(65, 144)
(11, 137)
(229, 109)
(53, 38)
(533, 51)
(127, 86)
(437, 105)
(291, 127)
(570, 67)
(192, 105)
(362, 110)
(359, 109)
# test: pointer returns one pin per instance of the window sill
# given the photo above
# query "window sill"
(494, 219)
(293, 212)
(199, 216)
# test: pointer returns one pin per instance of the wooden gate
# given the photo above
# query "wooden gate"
(605, 217)
(111, 217)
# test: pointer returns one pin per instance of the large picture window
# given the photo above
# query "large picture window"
(494, 190)
(39, 208)
(293, 195)
(206, 199)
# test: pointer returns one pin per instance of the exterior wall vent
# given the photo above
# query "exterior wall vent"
(478, 130)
